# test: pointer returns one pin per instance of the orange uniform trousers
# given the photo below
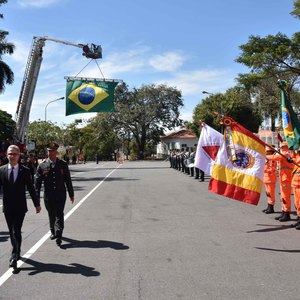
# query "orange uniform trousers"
(269, 180)
(296, 184)
(285, 179)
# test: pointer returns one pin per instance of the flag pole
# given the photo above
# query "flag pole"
(274, 149)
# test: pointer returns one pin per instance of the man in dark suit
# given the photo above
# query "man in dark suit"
(14, 179)
(55, 175)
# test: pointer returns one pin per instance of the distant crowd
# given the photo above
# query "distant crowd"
(184, 161)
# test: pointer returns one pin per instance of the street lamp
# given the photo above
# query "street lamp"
(61, 98)
(205, 92)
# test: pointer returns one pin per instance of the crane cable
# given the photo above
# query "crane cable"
(87, 65)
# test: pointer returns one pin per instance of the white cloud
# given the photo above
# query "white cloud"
(169, 61)
(36, 3)
(134, 66)
(195, 81)
(112, 66)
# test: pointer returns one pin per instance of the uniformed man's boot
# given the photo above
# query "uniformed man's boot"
(296, 224)
(279, 216)
(285, 217)
(270, 209)
(264, 210)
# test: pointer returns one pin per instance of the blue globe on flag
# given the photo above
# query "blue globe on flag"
(86, 95)
(285, 118)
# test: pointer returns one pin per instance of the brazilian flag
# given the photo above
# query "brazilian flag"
(290, 122)
(89, 96)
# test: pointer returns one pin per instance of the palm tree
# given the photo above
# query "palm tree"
(6, 74)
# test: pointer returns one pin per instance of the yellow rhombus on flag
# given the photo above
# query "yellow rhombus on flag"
(87, 96)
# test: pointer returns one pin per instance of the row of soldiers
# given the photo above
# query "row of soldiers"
(285, 164)
(183, 160)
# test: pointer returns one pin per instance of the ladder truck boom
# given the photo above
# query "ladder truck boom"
(31, 76)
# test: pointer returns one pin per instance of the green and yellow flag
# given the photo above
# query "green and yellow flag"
(290, 122)
(84, 96)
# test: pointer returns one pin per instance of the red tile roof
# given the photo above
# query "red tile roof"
(180, 134)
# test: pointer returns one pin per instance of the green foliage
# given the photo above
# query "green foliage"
(104, 139)
(6, 74)
(270, 58)
(43, 132)
(146, 112)
(7, 125)
(271, 55)
(266, 93)
(2, 2)
(296, 11)
(235, 103)
(193, 125)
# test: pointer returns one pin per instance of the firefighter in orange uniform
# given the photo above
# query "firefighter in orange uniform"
(296, 187)
(285, 180)
(270, 181)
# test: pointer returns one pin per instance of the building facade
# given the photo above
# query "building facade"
(176, 140)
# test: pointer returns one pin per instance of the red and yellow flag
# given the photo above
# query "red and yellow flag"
(238, 170)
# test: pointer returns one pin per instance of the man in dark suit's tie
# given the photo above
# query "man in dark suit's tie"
(11, 176)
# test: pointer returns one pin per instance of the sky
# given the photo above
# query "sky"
(187, 44)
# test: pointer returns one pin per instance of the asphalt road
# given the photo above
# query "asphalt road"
(142, 230)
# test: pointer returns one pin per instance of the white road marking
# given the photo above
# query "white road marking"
(33, 249)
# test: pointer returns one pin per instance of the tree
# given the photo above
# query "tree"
(146, 112)
(235, 103)
(6, 74)
(43, 132)
(103, 136)
(296, 11)
(271, 55)
(7, 125)
(269, 59)
(266, 93)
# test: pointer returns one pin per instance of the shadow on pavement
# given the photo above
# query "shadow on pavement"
(92, 244)
(278, 250)
(74, 268)
(5, 236)
(273, 228)
(102, 178)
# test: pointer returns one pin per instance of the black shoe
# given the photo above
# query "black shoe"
(58, 242)
(285, 217)
(52, 237)
(295, 224)
(196, 177)
(280, 216)
(13, 263)
(270, 209)
(298, 226)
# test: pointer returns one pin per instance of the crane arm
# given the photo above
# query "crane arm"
(31, 76)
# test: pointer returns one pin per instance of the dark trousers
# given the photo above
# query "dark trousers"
(192, 171)
(201, 175)
(14, 222)
(199, 172)
(56, 216)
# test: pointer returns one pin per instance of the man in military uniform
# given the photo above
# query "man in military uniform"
(55, 175)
